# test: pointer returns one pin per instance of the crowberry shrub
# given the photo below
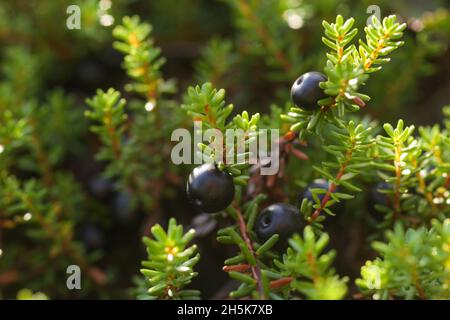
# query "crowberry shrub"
(93, 184)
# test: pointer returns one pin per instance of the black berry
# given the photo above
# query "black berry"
(282, 219)
(337, 207)
(123, 208)
(210, 189)
(377, 197)
(305, 92)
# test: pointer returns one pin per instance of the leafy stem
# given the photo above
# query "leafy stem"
(332, 187)
(398, 179)
(349, 149)
(256, 271)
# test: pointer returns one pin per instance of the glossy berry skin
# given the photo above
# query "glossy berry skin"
(305, 92)
(337, 207)
(210, 189)
(282, 219)
(378, 198)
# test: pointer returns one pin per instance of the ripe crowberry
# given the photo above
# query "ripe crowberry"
(305, 92)
(282, 219)
(376, 197)
(210, 189)
(337, 207)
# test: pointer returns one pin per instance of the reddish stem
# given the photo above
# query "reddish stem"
(256, 272)
(447, 182)
(327, 197)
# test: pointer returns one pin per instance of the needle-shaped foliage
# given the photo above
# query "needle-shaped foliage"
(131, 147)
(349, 148)
(311, 267)
(347, 69)
(170, 265)
(413, 264)
(386, 183)
(142, 59)
(228, 143)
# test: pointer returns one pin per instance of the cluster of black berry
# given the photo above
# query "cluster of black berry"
(212, 190)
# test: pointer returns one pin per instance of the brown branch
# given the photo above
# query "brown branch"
(332, 186)
(256, 271)
(271, 184)
(313, 264)
(113, 136)
(447, 181)
(144, 70)
(374, 55)
(420, 291)
(416, 281)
